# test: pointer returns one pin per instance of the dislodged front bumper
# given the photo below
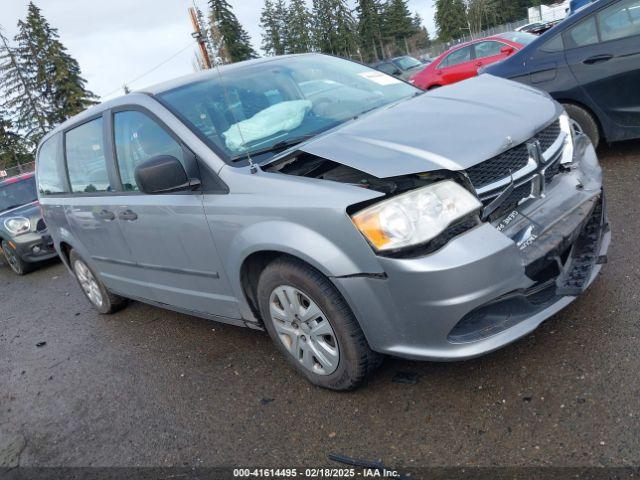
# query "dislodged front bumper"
(495, 283)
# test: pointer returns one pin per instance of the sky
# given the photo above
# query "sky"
(138, 42)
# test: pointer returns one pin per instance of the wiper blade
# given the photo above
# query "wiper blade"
(276, 147)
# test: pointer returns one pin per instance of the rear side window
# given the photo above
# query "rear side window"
(556, 44)
(620, 20)
(48, 171)
(138, 138)
(487, 49)
(583, 34)
(86, 161)
(459, 56)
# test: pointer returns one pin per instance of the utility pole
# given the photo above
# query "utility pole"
(199, 37)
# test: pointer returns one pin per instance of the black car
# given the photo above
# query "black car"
(23, 233)
(591, 64)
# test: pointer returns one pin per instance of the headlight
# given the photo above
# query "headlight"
(17, 225)
(567, 129)
(415, 217)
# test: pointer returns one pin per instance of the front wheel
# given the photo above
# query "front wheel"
(93, 289)
(12, 257)
(313, 327)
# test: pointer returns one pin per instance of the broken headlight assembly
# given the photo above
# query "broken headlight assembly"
(567, 128)
(17, 225)
(415, 217)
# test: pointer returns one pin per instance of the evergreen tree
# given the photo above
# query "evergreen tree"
(19, 93)
(230, 40)
(451, 19)
(299, 28)
(56, 74)
(398, 26)
(369, 30)
(346, 43)
(273, 21)
(334, 28)
(421, 39)
(12, 147)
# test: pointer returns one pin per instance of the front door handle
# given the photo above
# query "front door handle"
(598, 59)
(107, 215)
(128, 215)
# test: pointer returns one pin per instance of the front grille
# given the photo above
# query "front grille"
(510, 164)
(512, 201)
(499, 167)
(551, 171)
(549, 135)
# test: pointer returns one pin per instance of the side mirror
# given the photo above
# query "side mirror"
(397, 72)
(161, 174)
(507, 50)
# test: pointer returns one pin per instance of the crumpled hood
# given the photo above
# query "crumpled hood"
(451, 128)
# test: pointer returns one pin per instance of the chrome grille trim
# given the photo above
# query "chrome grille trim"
(554, 151)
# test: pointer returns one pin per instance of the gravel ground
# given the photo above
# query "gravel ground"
(155, 388)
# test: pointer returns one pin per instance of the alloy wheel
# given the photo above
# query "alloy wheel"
(304, 330)
(88, 283)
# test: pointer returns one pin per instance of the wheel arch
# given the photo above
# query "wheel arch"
(594, 115)
(255, 247)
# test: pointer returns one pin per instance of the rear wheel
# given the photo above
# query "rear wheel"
(313, 327)
(584, 122)
(16, 264)
(93, 289)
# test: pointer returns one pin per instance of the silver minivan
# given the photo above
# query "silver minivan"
(339, 208)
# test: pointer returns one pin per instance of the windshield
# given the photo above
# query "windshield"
(522, 38)
(405, 63)
(15, 193)
(261, 108)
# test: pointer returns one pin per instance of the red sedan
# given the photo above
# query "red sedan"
(464, 60)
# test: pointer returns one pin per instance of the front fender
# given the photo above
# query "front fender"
(301, 242)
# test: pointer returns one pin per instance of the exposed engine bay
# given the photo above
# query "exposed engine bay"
(307, 165)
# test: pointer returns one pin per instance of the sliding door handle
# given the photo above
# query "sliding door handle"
(128, 215)
(107, 215)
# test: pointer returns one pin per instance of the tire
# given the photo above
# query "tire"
(13, 260)
(93, 289)
(586, 123)
(434, 87)
(328, 347)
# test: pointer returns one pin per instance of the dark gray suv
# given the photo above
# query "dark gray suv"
(339, 208)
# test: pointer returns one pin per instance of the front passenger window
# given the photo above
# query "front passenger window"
(138, 138)
(620, 20)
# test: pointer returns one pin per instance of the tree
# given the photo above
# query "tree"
(273, 21)
(451, 19)
(19, 93)
(231, 42)
(421, 39)
(56, 74)
(334, 28)
(299, 28)
(12, 146)
(398, 24)
(369, 30)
